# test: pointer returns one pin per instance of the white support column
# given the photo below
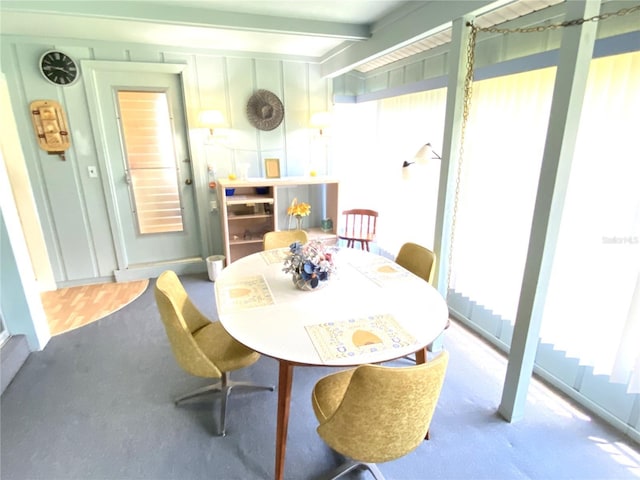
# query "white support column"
(26, 314)
(571, 77)
(450, 153)
(450, 149)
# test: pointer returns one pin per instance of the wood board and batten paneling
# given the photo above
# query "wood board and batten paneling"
(73, 207)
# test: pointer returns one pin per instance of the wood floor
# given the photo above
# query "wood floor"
(74, 307)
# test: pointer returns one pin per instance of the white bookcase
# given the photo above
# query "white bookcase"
(260, 205)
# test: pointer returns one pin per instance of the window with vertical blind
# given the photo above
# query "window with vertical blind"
(592, 310)
(590, 328)
(503, 153)
(406, 124)
(151, 161)
(591, 319)
(370, 142)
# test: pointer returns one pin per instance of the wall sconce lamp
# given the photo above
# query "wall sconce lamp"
(320, 120)
(422, 157)
(211, 119)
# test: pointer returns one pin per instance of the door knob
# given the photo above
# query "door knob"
(187, 181)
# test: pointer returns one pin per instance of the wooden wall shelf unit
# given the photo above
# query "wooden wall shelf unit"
(246, 215)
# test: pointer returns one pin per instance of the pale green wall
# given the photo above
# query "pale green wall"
(72, 207)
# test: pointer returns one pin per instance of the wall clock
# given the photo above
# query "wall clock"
(58, 67)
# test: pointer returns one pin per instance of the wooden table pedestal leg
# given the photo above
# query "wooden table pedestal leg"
(421, 357)
(285, 379)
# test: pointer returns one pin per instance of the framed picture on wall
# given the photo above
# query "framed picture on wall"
(272, 167)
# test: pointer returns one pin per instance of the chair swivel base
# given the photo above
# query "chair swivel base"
(224, 386)
(354, 465)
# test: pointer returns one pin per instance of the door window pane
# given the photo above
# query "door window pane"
(151, 161)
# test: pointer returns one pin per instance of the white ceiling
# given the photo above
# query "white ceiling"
(341, 11)
(299, 28)
(342, 34)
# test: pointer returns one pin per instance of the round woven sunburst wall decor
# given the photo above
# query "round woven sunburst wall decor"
(265, 110)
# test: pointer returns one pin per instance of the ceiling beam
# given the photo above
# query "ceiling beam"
(197, 17)
(417, 20)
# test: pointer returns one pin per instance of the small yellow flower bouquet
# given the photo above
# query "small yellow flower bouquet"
(299, 209)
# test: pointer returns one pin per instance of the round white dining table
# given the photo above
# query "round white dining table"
(370, 311)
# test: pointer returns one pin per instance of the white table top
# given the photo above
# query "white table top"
(260, 307)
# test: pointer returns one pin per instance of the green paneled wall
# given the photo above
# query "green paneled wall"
(73, 207)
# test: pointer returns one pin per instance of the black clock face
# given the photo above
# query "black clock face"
(58, 68)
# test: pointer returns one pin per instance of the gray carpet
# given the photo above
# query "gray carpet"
(97, 404)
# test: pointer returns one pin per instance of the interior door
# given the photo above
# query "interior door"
(134, 182)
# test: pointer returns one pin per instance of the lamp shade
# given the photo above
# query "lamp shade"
(211, 118)
(320, 119)
(407, 171)
(423, 155)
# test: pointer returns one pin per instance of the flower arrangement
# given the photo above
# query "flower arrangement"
(298, 210)
(310, 263)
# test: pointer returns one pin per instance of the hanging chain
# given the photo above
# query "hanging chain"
(468, 90)
(567, 23)
(466, 108)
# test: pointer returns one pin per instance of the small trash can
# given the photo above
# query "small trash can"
(215, 264)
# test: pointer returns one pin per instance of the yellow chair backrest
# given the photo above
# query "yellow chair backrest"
(418, 260)
(181, 320)
(386, 411)
(283, 238)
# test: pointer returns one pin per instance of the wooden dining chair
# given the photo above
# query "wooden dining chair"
(283, 238)
(358, 225)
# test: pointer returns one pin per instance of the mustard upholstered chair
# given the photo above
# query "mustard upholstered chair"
(283, 238)
(373, 414)
(359, 225)
(420, 261)
(201, 347)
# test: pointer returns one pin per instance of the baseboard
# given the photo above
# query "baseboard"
(145, 271)
(13, 354)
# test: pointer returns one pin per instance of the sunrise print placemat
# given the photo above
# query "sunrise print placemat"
(381, 270)
(276, 255)
(250, 292)
(358, 336)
